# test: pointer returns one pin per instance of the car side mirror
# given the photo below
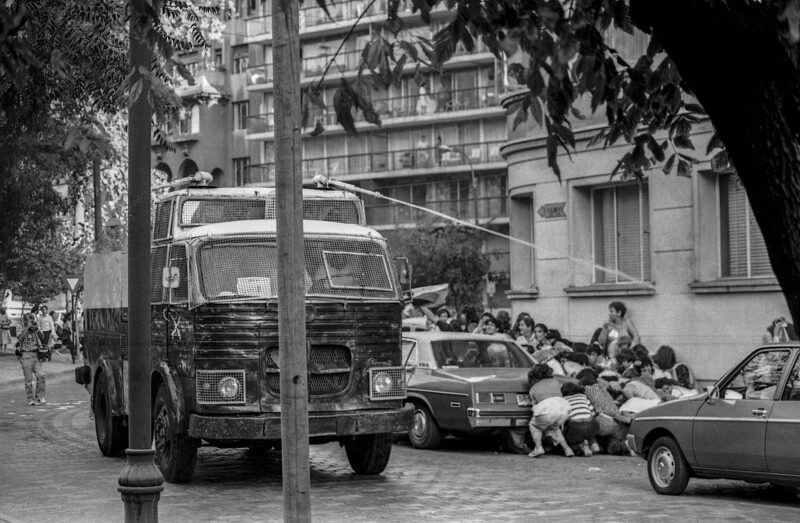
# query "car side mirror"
(403, 269)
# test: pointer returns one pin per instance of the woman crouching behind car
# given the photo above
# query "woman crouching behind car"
(550, 409)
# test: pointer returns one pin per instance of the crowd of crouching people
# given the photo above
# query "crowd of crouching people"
(583, 395)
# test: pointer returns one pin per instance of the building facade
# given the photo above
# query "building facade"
(438, 145)
(684, 254)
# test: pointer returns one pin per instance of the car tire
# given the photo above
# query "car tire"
(666, 467)
(176, 453)
(369, 454)
(424, 432)
(112, 435)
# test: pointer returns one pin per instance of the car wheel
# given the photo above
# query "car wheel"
(424, 433)
(176, 453)
(112, 435)
(369, 454)
(666, 467)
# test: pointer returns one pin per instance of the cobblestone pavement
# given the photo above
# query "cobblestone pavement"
(51, 470)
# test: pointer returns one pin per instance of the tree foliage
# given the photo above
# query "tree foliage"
(447, 254)
(64, 87)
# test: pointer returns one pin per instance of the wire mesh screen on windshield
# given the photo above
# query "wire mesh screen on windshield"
(328, 210)
(247, 268)
(207, 211)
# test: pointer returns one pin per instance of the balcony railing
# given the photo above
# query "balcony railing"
(399, 107)
(314, 16)
(416, 158)
(463, 209)
(315, 65)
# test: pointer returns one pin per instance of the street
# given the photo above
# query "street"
(53, 471)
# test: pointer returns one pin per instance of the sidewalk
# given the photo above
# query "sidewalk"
(11, 371)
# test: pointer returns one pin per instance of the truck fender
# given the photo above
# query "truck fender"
(116, 394)
(167, 375)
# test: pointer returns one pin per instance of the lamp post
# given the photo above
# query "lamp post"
(450, 149)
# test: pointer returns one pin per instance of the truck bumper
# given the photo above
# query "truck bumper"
(268, 426)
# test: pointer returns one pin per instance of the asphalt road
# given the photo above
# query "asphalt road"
(51, 470)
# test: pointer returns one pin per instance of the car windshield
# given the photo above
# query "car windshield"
(478, 353)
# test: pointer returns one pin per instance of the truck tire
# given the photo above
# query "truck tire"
(176, 454)
(667, 468)
(369, 454)
(112, 435)
(424, 433)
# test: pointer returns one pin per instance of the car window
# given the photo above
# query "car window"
(792, 390)
(478, 353)
(410, 353)
(758, 378)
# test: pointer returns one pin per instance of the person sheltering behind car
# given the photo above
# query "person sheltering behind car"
(550, 410)
(580, 429)
(665, 365)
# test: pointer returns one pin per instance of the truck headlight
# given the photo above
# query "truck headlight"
(228, 387)
(381, 383)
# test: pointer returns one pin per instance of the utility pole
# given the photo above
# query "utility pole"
(98, 205)
(291, 288)
(140, 482)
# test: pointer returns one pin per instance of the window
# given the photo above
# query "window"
(758, 378)
(743, 253)
(240, 170)
(219, 64)
(621, 233)
(240, 110)
(240, 60)
(792, 390)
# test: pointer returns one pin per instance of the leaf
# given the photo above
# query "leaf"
(655, 149)
(683, 142)
(684, 168)
(668, 166)
(576, 113)
(596, 138)
(695, 108)
(536, 109)
(324, 7)
(318, 129)
(520, 118)
(410, 50)
(314, 98)
(397, 76)
(714, 143)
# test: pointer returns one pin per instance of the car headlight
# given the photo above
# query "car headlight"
(381, 383)
(228, 387)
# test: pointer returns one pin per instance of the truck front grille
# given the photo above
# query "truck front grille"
(329, 370)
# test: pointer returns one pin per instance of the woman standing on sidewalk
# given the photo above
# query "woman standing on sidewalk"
(27, 353)
(5, 330)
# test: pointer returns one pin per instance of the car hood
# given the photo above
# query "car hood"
(488, 379)
(679, 407)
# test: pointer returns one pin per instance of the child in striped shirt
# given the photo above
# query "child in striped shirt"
(581, 427)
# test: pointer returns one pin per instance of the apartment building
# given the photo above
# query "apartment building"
(684, 254)
(438, 145)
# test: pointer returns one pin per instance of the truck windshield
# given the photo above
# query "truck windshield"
(246, 269)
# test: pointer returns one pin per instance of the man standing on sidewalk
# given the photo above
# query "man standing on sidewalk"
(27, 352)
(46, 327)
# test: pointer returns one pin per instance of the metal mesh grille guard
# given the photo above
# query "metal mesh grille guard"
(206, 386)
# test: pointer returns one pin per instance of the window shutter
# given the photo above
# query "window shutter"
(759, 259)
(629, 231)
(604, 244)
(743, 234)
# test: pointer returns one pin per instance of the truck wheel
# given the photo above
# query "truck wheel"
(424, 433)
(369, 454)
(176, 454)
(112, 436)
(666, 467)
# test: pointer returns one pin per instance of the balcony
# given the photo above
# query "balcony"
(399, 107)
(387, 161)
(345, 61)
(311, 17)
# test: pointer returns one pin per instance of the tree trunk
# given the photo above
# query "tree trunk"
(732, 58)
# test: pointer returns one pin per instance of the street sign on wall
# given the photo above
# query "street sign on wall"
(552, 210)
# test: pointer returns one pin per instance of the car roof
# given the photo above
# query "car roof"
(245, 227)
(445, 335)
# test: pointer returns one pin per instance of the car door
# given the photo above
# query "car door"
(783, 428)
(730, 427)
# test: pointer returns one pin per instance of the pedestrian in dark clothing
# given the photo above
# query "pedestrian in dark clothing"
(29, 345)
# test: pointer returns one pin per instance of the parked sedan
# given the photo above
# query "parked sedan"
(464, 384)
(747, 426)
